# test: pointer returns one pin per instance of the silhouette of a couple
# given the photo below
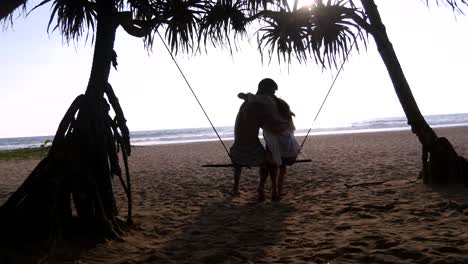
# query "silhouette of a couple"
(272, 114)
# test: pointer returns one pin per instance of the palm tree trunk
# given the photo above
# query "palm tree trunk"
(103, 50)
(415, 119)
(95, 199)
(441, 164)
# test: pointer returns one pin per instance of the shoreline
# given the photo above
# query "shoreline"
(301, 136)
(36, 152)
(137, 140)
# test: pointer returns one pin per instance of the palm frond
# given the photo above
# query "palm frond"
(324, 32)
(286, 32)
(333, 31)
(180, 19)
(221, 21)
(73, 17)
(256, 5)
(454, 4)
(8, 7)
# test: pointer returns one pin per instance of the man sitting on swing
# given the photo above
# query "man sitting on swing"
(261, 110)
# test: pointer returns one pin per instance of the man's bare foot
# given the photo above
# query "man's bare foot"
(275, 197)
(235, 192)
(260, 195)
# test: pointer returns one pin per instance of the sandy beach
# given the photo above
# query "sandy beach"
(358, 201)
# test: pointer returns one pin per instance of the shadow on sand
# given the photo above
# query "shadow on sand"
(454, 197)
(225, 232)
(21, 248)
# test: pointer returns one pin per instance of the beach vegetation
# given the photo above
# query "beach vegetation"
(24, 153)
(84, 156)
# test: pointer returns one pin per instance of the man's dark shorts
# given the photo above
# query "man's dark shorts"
(251, 155)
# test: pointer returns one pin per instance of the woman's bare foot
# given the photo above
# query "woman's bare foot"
(260, 195)
(235, 192)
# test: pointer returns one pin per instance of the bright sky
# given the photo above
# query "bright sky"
(40, 76)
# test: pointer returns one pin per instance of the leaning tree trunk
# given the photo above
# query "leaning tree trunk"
(80, 165)
(441, 163)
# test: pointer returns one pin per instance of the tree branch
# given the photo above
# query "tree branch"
(135, 27)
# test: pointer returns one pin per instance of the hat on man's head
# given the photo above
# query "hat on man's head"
(267, 86)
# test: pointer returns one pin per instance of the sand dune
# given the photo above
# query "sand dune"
(358, 201)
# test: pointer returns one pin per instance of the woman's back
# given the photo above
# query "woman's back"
(286, 113)
(286, 142)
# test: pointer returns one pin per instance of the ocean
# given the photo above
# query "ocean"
(186, 135)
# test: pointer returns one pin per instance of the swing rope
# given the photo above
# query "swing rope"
(326, 96)
(196, 98)
(209, 120)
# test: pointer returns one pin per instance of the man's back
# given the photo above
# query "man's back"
(247, 124)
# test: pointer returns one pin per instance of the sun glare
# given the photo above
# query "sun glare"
(300, 3)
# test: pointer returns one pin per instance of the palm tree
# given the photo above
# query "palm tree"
(441, 164)
(83, 158)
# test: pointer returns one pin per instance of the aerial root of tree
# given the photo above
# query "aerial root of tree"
(71, 189)
(442, 165)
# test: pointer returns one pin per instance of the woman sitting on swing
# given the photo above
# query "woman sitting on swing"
(280, 144)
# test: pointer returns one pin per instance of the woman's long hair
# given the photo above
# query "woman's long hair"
(284, 109)
(285, 112)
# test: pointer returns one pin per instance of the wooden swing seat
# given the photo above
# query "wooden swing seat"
(227, 165)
